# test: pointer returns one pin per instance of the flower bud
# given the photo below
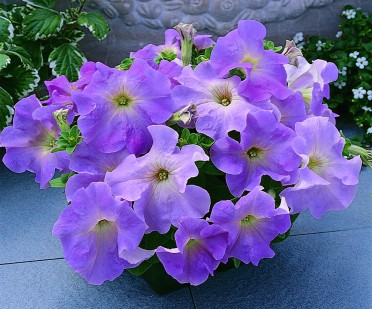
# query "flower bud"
(292, 52)
(187, 33)
(60, 117)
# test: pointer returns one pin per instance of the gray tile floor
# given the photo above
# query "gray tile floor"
(324, 264)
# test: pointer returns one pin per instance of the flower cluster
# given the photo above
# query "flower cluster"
(190, 154)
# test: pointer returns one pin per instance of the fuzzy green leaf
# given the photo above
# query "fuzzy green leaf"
(66, 60)
(25, 81)
(41, 3)
(96, 24)
(4, 61)
(42, 24)
(6, 103)
(6, 30)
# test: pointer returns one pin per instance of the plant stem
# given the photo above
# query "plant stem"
(82, 6)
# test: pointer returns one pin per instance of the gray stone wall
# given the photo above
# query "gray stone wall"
(135, 23)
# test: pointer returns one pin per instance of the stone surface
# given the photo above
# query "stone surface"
(329, 270)
(52, 284)
(27, 215)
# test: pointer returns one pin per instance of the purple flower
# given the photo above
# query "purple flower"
(172, 45)
(312, 81)
(203, 41)
(327, 181)
(118, 106)
(290, 110)
(220, 107)
(243, 48)
(100, 235)
(264, 149)
(157, 181)
(30, 140)
(91, 165)
(200, 247)
(60, 89)
(252, 224)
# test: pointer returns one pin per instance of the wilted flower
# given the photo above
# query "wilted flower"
(292, 52)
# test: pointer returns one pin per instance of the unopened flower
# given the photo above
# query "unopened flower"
(319, 45)
(359, 93)
(338, 34)
(157, 181)
(369, 94)
(187, 33)
(252, 223)
(350, 14)
(298, 37)
(361, 62)
(354, 54)
(292, 52)
(327, 181)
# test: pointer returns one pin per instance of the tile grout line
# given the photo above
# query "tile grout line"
(292, 235)
(31, 261)
(192, 297)
(334, 231)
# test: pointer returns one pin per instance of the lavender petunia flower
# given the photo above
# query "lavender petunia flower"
(264, 149)
(60, 89)
(252, 224)
(91, 166)
(157, 181)
(30, 140)
(200, 247)
(291, 110)
(118, 106)
(172, 46)
(327, 181)
(100, 235)
(220, 107)
(243, 48)
(312, 81)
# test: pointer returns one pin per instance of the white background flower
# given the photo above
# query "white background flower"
(319, 45)
(361, 62)
(343, 71)
(369, 94)
(354, 54)
(367, 109)
(369, 131)
(340, 85)
(338, 34)
(350, 14)
(359, 93)
(298, 37)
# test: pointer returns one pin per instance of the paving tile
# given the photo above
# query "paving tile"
(52, 284)
(27, 217)
(357, 215)
(329, 270)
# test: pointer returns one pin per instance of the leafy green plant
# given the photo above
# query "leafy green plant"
(351, 51)
(37, 41)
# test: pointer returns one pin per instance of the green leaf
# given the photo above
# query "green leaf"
(6, 111)
(6, 30)
(140, 269)
(210, 169)
(26, 80)
(125, 64)
(41, 3)
(236, 262)
(42, 24)
(96, 24)
(22, 55)
(66, 60)
(4, 61)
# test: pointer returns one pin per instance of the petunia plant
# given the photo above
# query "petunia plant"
(187, 155)
(351, 51)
